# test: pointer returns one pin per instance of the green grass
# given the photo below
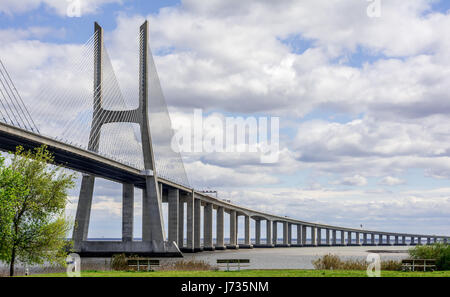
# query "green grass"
(251, 273)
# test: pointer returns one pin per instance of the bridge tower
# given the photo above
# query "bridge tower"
(153, 235)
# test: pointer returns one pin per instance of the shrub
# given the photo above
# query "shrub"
(333, 262)
(438, 251)
(186, 265)
(119, 262)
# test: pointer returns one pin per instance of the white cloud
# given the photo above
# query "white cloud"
(392, 181)
(221, 56)
(356, 180)
(60, 7)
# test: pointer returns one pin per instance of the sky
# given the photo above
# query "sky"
(362, 99)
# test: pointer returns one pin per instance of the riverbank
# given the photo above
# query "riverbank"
(251, 273)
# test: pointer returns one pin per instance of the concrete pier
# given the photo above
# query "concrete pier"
(275, 233)
(349, 238)
(319, 236)
(289, 239)
(189, 223)
(207, 227)
(299, 235)
(127, 212)
(219, 228)
(343, 238)
(285, 235)
(303, 235)
(258, 232)
(247, 244)
(233, 228)
(174, 202)
(197, 225)
(181, 224)
(313, 236)
(334, 240)
(269, 240)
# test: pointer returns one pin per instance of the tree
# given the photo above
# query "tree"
(33, 197)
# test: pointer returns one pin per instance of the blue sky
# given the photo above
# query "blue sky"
(343, 85)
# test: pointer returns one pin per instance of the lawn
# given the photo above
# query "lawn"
(251, 273)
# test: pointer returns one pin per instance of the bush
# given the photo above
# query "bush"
(187, 265)
(119, 262)
(333, 262)
(438, 251)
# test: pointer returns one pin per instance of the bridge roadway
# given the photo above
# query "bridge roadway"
(176, 195)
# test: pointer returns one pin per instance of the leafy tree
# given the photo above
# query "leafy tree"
(33, 197)
(438, 251)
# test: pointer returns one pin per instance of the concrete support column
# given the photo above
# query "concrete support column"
(327, 236)
(219, 228)
(365, 239)
(181, 224)
(174, 201)
(299, 235)
(349, 238)
(380, 239)
(334, 240)
(396, 240)
(303, 235)
(207, 227)
(257, 232)
(247, 243)
(412, 240)
(190, 223)
(388, 239)
(419, 241)
(269, 233)
(289, 234)
(343, 237)
(127, 211)
(275, 233)
(233, 229)
(83, 215)
(319, 236)
(403, 240)
(285, 233)
(428, 240)
(197, 227)
(313, 236)
(357, 238)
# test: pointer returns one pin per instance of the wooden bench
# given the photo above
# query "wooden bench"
(142, 264)
(230, 263)
(419, 265)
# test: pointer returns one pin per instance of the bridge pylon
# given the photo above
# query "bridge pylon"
(153, 234)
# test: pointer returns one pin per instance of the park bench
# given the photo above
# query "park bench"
(230, 263)
(419, 265)
(142, 264)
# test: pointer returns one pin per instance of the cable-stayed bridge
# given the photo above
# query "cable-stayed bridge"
(94, 126)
